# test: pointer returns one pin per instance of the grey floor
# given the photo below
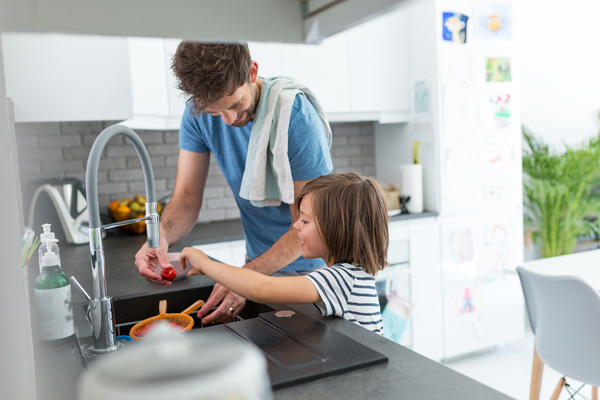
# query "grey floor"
(508, 370)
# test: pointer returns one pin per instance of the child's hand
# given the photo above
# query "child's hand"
(196, 259)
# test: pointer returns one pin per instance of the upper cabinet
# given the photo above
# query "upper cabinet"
(361, 74)
(55, 77)
(157, 103)
(292, 21)
(378, 62)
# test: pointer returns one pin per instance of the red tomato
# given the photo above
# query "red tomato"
(169, 274)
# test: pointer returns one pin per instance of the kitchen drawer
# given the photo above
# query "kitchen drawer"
(398, 252)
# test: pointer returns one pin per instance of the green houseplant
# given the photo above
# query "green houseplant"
(561, 197)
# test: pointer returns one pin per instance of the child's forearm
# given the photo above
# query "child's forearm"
(245, 282)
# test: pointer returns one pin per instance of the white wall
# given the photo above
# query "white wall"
(560, 69)
(16, 349)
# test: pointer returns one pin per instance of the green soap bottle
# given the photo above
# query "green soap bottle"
(52, 292)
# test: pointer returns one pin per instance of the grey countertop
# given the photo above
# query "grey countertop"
(406, 375)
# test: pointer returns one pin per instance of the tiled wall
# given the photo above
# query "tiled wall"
(61, 150)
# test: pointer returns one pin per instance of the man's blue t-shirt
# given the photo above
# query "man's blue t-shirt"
(309, 156)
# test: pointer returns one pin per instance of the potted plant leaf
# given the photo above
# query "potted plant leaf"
(561, 197)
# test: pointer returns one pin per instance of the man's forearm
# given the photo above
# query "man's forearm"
(284, 251)
(177, 219)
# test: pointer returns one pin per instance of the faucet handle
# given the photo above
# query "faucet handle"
(152, 221)
(80, 288)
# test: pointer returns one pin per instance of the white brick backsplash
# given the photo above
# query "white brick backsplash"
(167, 149)
(172, 137)
(76, 153)
(39, 155)
(63, 149)
(211, 215)
(346, 129)
(59, 140)
(139, 187)
(368, 149)
(360, 140)
(232, 213)
(222, 202)
(150, 137)
(358, 161)
(29, 169)
(89, 139)
(60, 167)
(125, 175)
(120, 151)
(27, 142)
(214, 191)
(340, 161)
(163, 173)
(112, 187)
(171, 161)
(36, 128)
(368, 170)
(107, 165)
(82, 127)
(156, 161)
(346, 151)
(339, 141)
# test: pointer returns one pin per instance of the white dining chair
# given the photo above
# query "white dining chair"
(564, 312)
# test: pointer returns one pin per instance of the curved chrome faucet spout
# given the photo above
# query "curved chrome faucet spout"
(101, 305)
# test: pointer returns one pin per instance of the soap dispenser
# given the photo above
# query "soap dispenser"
(52, 291)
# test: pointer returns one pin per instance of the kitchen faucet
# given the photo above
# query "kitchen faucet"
(100, 307)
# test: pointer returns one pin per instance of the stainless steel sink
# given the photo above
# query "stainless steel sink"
(131, 310)
(297, 347)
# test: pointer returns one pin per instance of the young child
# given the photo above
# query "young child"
(343, 220)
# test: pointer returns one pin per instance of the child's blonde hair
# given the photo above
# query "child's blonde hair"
(352, 219)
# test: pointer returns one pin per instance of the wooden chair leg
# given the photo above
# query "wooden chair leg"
(594, 392)
(561, 384)
(536, 376)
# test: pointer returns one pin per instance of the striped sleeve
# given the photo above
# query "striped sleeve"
(348, 292)
(334, 286)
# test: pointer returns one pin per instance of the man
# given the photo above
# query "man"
(225, 92)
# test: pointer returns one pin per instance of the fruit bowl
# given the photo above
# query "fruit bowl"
(130, 208)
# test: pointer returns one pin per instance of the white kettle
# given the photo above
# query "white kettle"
(61, 199)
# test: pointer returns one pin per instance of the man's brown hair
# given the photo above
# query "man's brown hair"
(210, 71)
(351, 215)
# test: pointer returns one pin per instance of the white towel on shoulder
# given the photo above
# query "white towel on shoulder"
(267, 179)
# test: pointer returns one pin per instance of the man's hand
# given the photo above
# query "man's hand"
(227, 299)
(147, 259)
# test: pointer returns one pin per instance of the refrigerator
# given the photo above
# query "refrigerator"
(479, 168)
(465, 113)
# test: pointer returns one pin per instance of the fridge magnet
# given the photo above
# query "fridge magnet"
(501, 109)
(493, 21)
(421, 97)
(494, 260)
(497, 69)
(454, 27)
(462, 246)
(497, 235)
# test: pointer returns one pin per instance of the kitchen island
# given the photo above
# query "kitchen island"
(405, 375)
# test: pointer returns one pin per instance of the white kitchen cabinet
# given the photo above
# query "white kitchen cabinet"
(359, 74)
(378, 61)
(58, 77)
(268, 56)
(157, 103)
(324, 69)
(410, 286)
